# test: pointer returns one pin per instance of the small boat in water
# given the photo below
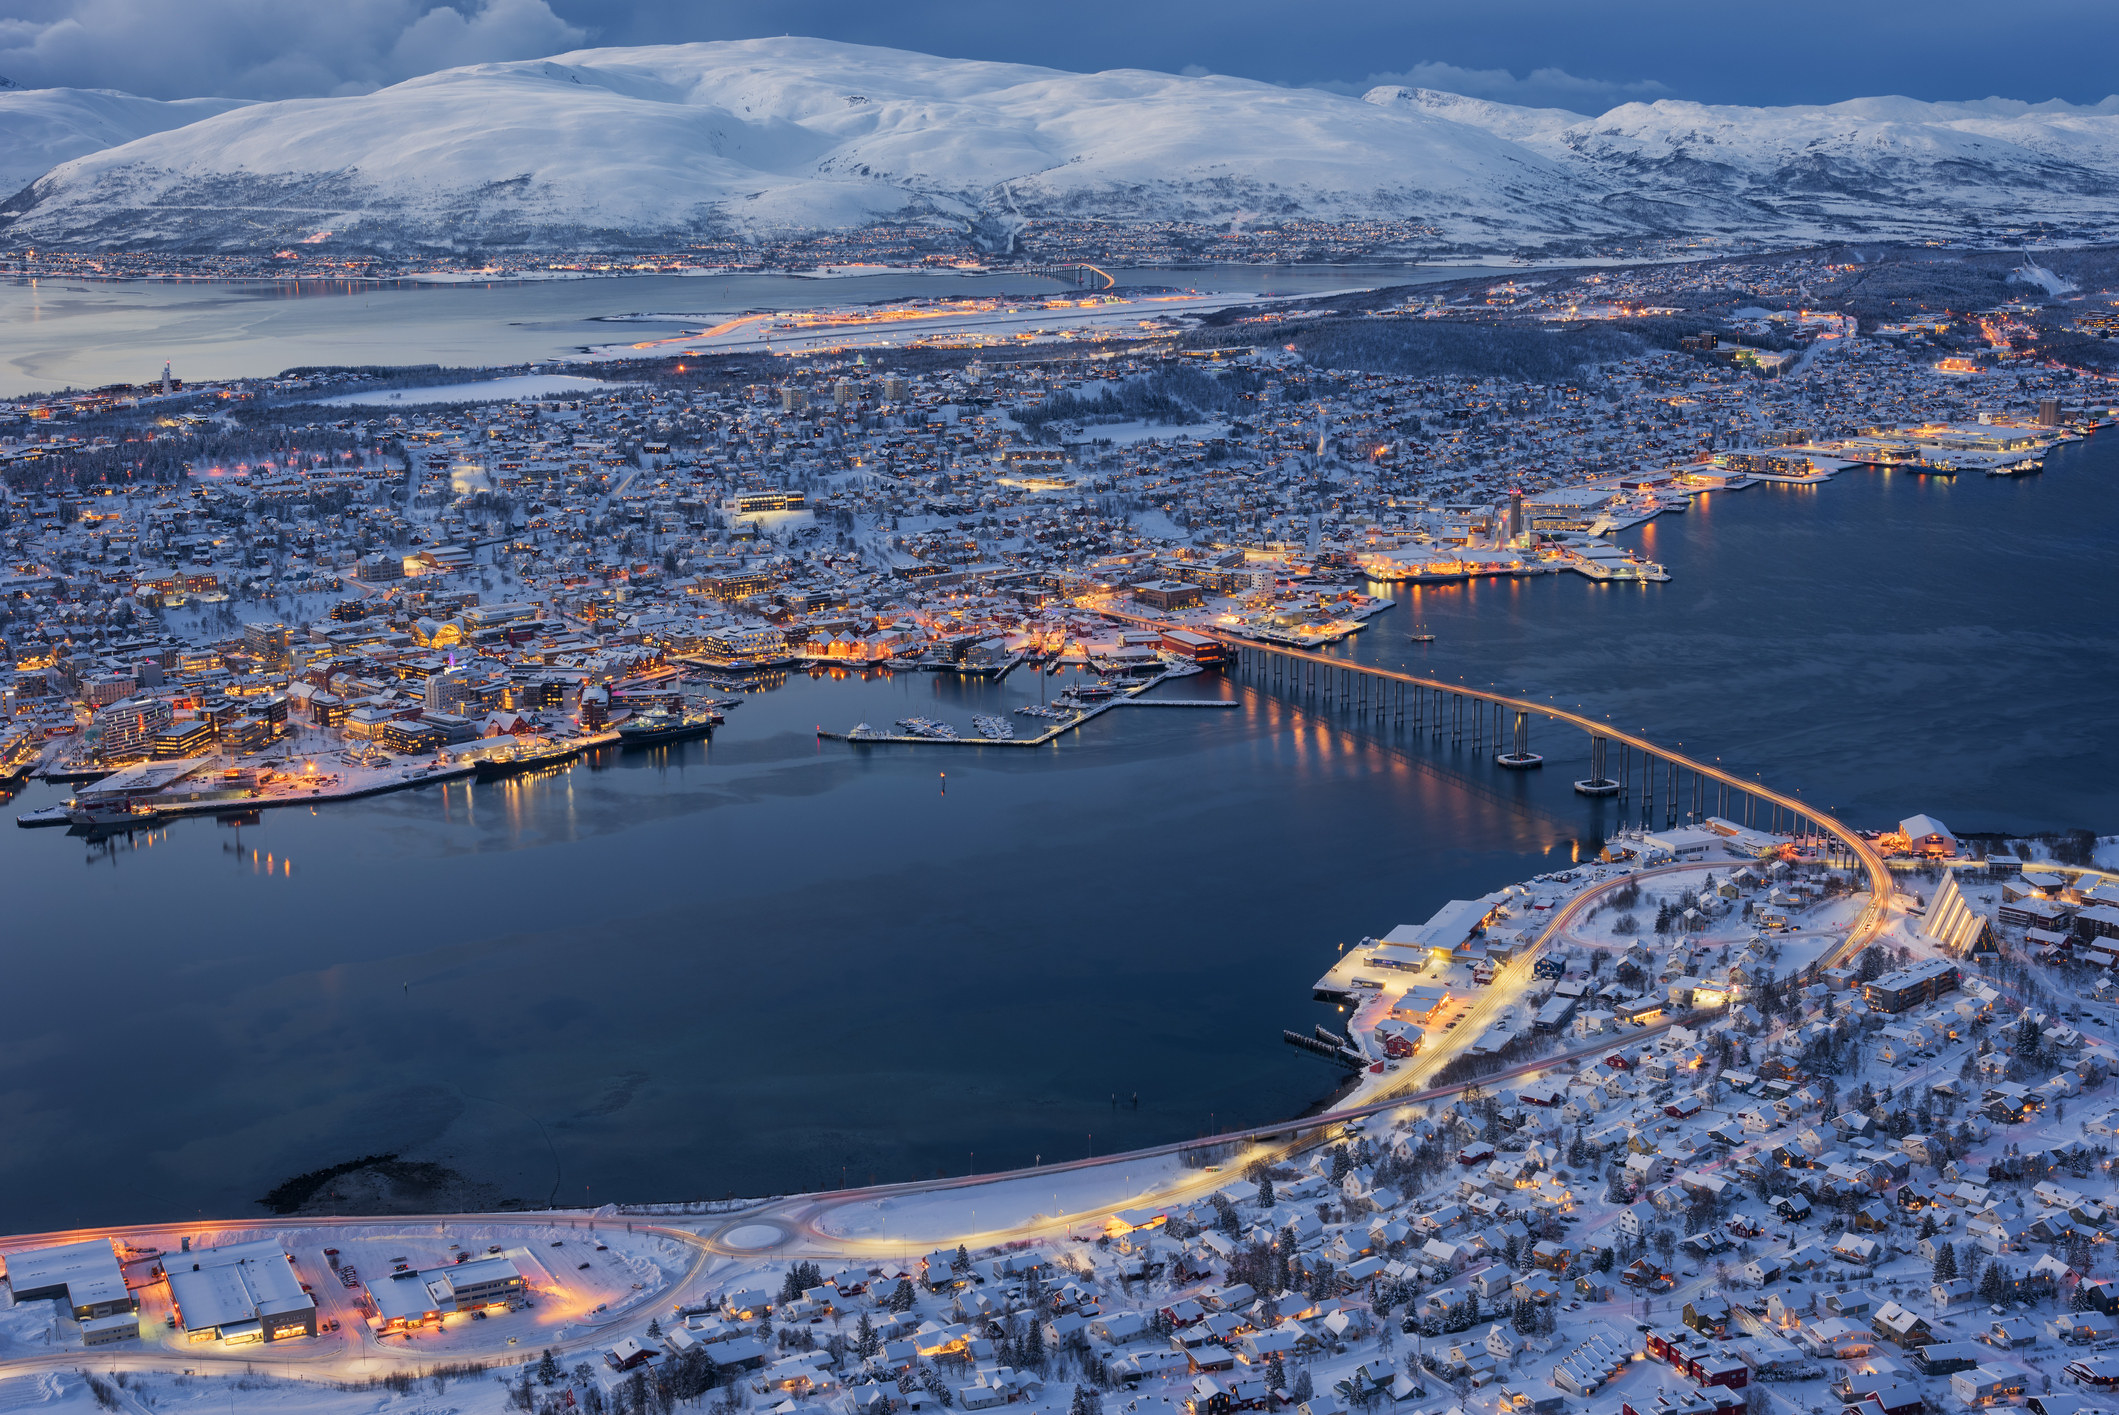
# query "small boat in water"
(1420, 636)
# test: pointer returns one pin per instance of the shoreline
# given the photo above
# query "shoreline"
(56, 815)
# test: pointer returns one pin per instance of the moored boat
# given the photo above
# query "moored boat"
(651, 729)
(527, 757)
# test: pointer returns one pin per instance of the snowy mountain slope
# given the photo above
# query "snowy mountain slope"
(1504, 120)
(1978, 156)
(640, 145)
(43, 127)
(645, 147)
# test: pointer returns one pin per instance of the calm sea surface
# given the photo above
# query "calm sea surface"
(769, 963)
(83, 334)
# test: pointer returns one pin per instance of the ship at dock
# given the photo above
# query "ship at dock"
(529, 756)
(655, 728)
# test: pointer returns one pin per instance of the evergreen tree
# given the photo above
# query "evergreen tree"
(902, 1296)
(547, 1368)
(1276, 1373)
(1265, 1191)
(1303, 1388)
(963, 1258)
(654, 1328)
(864, 1338)
(1993, 1287)
(1945, 1263)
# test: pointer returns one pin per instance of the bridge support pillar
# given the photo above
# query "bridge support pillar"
(1521, 758)
(1597, 783)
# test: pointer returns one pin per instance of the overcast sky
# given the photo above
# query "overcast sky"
(1582, 54)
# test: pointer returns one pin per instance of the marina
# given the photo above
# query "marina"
(994, 731)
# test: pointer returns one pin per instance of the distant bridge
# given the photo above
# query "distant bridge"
(1075, 273)
(1434, 706)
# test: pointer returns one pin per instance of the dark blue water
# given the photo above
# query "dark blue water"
(758, 965)
(67, 333)
(771, 963)
(1886, 643)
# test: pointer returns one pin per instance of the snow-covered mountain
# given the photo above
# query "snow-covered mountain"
(630, 148)
(1503, 120)
(43, 127)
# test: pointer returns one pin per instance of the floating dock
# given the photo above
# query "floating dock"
(1082, 715)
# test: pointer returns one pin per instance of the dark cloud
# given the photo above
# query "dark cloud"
(1563, 53)
(266, 48)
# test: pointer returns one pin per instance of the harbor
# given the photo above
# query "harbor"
(924, 733)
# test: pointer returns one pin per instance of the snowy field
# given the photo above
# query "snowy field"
(494, 390)
(930, 1218)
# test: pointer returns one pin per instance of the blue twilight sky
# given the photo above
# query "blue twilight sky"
(1582, 54)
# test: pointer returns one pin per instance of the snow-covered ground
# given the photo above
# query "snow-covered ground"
(945, 1214)
(496, 390)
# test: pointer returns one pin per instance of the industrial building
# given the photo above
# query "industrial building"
(85, 1276)
(243, 1293)
(414, 1297)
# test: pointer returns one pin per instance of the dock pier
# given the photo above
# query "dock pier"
(1131, 698)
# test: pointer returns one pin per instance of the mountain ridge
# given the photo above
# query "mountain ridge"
(662, 146)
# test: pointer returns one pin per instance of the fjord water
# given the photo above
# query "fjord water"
(64, 333)
(763, 964)
(1883, 643)
(771, 963)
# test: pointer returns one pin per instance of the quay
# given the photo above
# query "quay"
(1131, 698)
(146, 811)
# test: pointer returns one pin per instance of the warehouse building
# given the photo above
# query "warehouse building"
(85, 1276)
(414, 1297)
(243, 1293)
